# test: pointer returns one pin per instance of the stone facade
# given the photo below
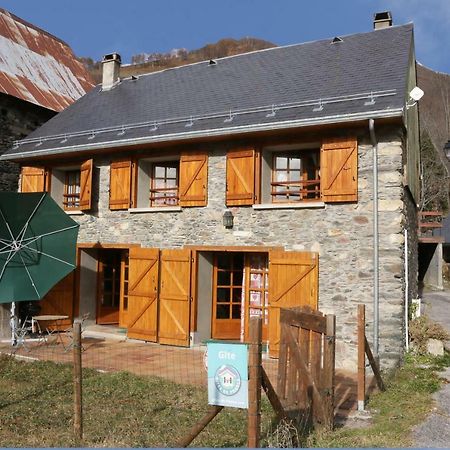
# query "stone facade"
(340, 233)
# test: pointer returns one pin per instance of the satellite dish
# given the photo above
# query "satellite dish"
(416, 94)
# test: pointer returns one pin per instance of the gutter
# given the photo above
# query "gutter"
(375, 241)
(285, 125)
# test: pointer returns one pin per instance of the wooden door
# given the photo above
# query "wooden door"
(143, 277)
(59, 301)
(108, 294)
(227, 295)
(293, 281)
(175, 297)
(123, 307)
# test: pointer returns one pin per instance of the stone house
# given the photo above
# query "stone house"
(39, 77)
(220, 190)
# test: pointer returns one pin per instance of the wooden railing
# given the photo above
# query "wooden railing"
(427, 222)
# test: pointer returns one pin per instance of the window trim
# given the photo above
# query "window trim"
(267, 171)
(144, 183)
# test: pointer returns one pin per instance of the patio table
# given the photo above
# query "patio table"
(53, 319)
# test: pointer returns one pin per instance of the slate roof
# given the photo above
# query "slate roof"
(363, 76)
(38, 67)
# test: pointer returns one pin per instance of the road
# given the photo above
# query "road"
(435, 430)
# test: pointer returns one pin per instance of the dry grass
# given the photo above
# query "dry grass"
(120, 410)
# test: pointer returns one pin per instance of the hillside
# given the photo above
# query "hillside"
(151, 62)
(434, 107)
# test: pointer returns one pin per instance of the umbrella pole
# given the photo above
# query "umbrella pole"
(13, 323)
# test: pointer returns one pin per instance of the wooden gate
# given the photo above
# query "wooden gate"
(306, 364)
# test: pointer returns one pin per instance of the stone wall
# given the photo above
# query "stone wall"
(17, 119)
(340, 233)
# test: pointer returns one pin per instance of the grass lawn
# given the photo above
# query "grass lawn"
(120, 410)
(404, 404)
(125, 410)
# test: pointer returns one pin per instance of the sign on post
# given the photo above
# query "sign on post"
(228, 374)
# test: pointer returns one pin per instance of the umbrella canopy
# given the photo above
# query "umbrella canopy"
(37, 245)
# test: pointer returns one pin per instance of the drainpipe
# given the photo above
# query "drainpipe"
(375, 239)
(406, 292)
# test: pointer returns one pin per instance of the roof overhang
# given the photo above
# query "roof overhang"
(208, 133)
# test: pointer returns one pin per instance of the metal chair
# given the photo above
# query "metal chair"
(21, 333)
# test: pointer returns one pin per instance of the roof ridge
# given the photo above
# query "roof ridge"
(35, 27)
(277, 47)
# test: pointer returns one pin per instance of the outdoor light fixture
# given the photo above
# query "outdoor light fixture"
(228, 219)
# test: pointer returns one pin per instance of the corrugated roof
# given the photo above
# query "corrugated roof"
(362, 76)
(38, 67)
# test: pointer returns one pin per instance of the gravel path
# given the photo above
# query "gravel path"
(435, 430)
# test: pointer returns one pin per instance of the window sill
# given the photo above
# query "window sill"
(74, 212)
(155, 209)
(304, 205)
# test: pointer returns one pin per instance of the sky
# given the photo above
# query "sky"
(96, 27)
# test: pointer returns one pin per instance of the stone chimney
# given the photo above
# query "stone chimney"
(382, 20)
(111, 68)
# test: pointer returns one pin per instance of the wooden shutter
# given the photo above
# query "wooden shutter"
(339, 170)
(241, 165)
(120, 184)
(143, 272)
(293, 281)
(32, 179)
(86, 184)
(193, 179)
(59, 301)
(175, 297)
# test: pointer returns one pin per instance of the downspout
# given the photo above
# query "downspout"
(406, 292)
(375, 240)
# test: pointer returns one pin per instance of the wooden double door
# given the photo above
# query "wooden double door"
(162, 305)
(159, 295)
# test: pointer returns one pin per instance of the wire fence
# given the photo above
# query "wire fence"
(135, 393)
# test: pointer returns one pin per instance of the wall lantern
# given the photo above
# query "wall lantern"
(228, 219)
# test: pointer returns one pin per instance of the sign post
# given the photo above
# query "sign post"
(228, 374)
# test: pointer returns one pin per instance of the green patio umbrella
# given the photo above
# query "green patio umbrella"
(37, 246)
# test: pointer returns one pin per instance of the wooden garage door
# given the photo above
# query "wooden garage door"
(175, 297)
(143, 271)
(59, 301)
(293, 281)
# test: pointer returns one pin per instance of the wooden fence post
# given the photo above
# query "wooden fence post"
(361, 357)
(78, 413)
(254, 385)
(328, 371)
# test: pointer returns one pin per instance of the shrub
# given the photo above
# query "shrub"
(422, 329)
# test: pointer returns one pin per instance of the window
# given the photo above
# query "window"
(160, 182)
(164, 184)
(295, 176)
(69, 185)
(71, 194)
(285, 176)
